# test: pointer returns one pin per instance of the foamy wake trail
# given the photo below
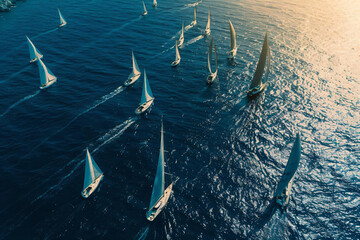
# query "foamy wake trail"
(44, 33)
(193, 4)
(194, 40)
(142, 234)
(108, 137)
(124, 25)
(16, 73)
(114, 133)
(96, 104)
(20, 101)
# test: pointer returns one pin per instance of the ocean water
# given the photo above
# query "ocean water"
(228, 152)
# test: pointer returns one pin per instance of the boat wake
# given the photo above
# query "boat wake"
(96, 104)
(16, 73)
(194, 40)
(142, 234)
(44, 33)
(193, 4)
(20, 101)
(108, 137)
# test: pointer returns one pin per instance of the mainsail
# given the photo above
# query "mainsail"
(45, 73)
(195, 15)
(210, 56)
(177, 53)
(159, 183)
(62, 19)
(232, 36)
(265, 54)
(34, 52)
(146, 93)
(290, 168)
(145, 11)
(92, 170)
(208, 23)
(136, 69)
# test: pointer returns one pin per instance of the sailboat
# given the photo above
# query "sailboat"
(159, 196)
(154, 3)
(181, 39)
(211, 78)
(62, 19)
(257, 85)
(193, 23)
(147, 97)
(282, 193)
(178, 58)
(145, 11)
(135, 74)
(34, 52)
(233, 47)
(93, 176)
(207, 29)
(47, 78)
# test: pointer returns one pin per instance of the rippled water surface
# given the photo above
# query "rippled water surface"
(228, 152)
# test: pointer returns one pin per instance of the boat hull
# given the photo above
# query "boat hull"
(180, 42)
(207, 32)
(144, 13)
(155, 5)
(35, 59)
(232, 53)
(193, 23)
(254, 92)
(211, 78)
(143, 107)
(175, 63)
(91, 188)
(132, 80)
(61, 25)
(48, 84)
(159, 206)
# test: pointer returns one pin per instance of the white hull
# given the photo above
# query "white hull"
(252, 93)
(155, 5)
(232, 53)
(91, 188)
(35, 59)
(144, 13)
(132, 80)
(175, 63)
(61, 25)
(211, 78)
(48, 84)
(207, 32)
(159, 206)
(193, 23)
(142, 108)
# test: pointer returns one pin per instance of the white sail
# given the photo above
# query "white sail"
(145, 11)
(92, 170)
(46, 75)
(34, 52)
(177, 53)
(216, 64)
(62, 19)
(136, 69)
(207, 29)
(209, 56)
(146, 93)
(195, 15)
(154, 3)
(232, 36)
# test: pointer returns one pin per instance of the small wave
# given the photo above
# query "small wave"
(44, 33)
(16, 73)
(142, 234)
(194, 40)
(20, 101)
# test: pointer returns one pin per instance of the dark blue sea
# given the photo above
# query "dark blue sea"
(227, 151)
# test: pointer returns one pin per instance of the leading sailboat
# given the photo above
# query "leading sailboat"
(178, 58)
(135, 74)
(154, 3)
(282, 193)
(47, 78)
(233, 47)
(147, 97)
(193, 23)
(145, 11)
(159, 196)
(207, 29)
(212, 76)
(93, 176)
(257, 85)
(34, 52)
(62, 19)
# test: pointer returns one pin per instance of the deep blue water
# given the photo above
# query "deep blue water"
(228, 152)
